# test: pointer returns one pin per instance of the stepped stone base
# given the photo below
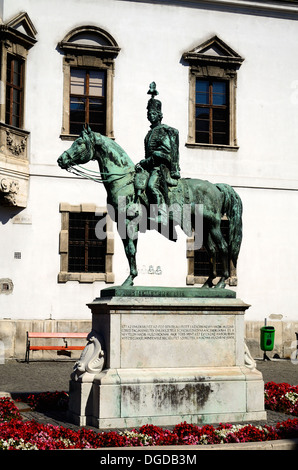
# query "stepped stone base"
(163, 360)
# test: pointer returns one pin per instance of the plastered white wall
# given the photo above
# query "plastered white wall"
(152, 38)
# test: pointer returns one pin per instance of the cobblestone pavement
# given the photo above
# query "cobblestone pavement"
(18, 377)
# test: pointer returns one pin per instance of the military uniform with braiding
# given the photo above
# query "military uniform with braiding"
(161, 148)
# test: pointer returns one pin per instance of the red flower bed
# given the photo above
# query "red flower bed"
(8, 411)
(30, 435)
(282, 397)
(47, 401)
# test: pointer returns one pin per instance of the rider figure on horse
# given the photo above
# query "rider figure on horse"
(161, 156)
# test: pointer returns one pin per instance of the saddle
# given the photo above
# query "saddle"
(175, 191)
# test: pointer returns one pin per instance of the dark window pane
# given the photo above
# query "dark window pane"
(14, 91)
(219, 100)
(202, 86)
(202, 125)
(219, 87)
(202, 92)
(77, 115)
(76, 258)
(220, 126)
(8, 71)
(202, 120)
(76, 128)
(77, 104)
(98, 127)
(219, 93)
(86, 252)
(97, 115)
(201, 263)
(96, 105)
(202, 113)
(202, 137)
(220, 114)
(16, 79)
(222, 139)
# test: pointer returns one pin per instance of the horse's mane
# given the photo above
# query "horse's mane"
(113, 150)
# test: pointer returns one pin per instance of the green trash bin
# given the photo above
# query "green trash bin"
(267, 338)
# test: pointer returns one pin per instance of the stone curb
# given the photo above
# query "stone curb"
(282, 444)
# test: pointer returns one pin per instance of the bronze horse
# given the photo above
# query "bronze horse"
(202, 198)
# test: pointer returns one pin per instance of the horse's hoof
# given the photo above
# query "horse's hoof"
(208, 284)
(220, 285)
(128, 282)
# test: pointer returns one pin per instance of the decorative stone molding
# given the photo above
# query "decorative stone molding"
(14, 142)
(92, 359)
(248, 359)
(19, 30)
(90, 39)
(14, 166)
(6, 286)
(8, 191)
(17, 37)
(15, 148)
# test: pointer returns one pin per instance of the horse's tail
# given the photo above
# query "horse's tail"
(232, 207)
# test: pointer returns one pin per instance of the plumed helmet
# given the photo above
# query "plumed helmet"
(153, 103)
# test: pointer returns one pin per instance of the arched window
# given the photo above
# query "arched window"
(88, 67)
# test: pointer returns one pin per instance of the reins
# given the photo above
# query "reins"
(82, 172)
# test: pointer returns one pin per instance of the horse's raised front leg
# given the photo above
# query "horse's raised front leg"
(130, 247)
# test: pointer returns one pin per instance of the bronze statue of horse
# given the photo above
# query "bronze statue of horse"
(190, 201)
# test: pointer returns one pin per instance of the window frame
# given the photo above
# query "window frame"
(87, 97)
(84, 277)
(80, 248)
(10, 87)
(221, 65)
(83, 56)
(211, 75)
(211, 107)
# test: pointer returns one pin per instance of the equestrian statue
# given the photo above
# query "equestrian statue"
(152, 195)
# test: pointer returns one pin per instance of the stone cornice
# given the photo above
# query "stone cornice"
(273, 8)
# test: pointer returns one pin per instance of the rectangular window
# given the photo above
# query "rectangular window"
(87, 100)
(212, 112)
(14, 91)
(86, 253)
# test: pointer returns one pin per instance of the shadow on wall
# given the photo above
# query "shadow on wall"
(7, 213)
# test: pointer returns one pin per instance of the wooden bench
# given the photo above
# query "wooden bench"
(64, 347)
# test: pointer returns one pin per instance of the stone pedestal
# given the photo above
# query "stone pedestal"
(166, 358)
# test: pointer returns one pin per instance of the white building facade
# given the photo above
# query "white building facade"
(71, 62)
